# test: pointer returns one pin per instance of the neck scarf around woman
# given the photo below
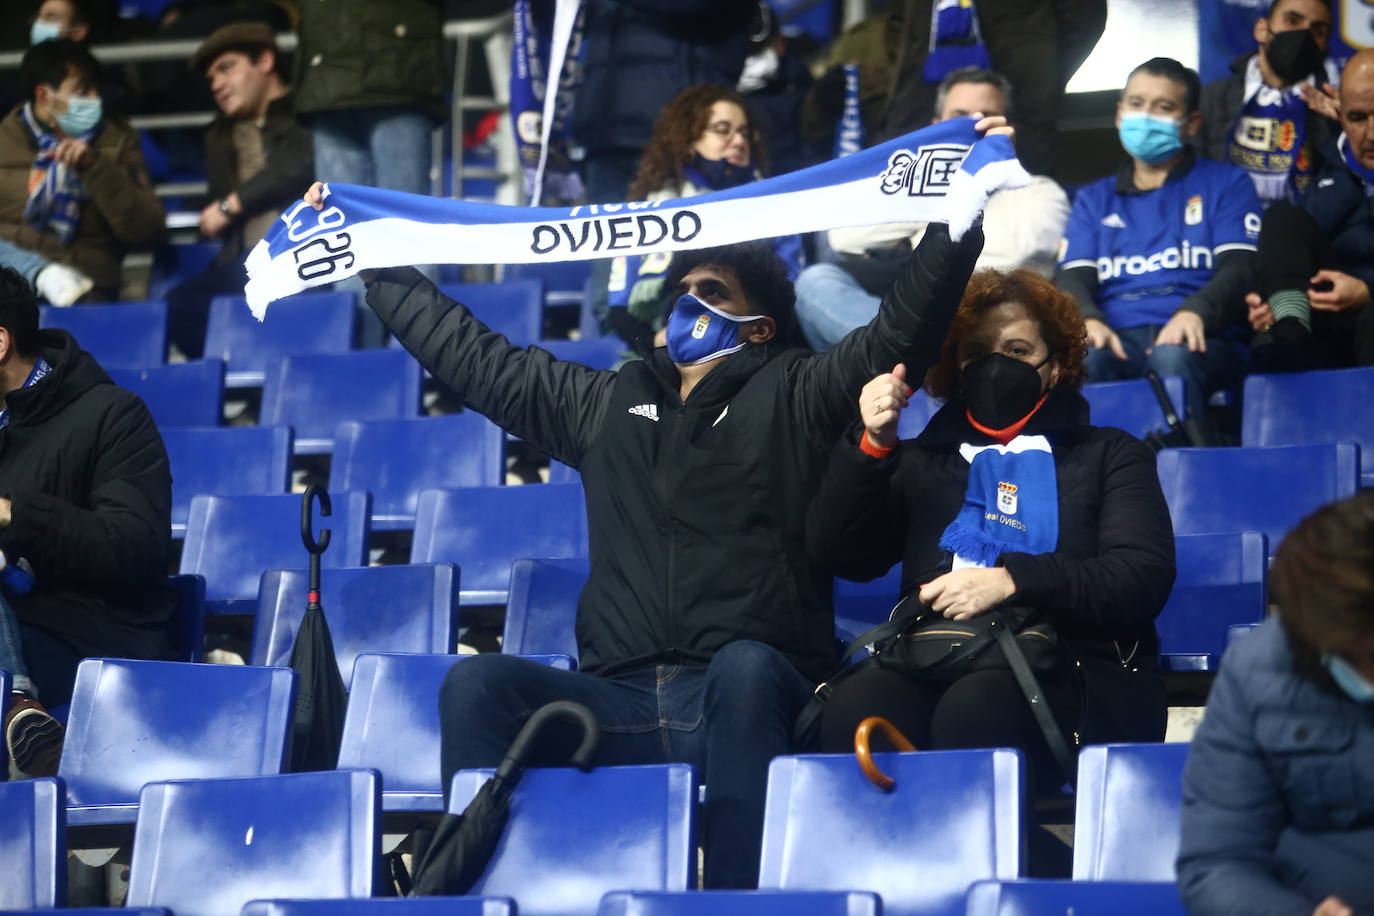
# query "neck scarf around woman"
(1011, 504)
(55, 190)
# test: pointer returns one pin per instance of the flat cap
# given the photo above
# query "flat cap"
(236, 36)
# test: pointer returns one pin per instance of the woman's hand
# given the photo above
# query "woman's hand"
(965, 593)
(315, 196)
(881, 403)
(1333, 906)
(993, 126)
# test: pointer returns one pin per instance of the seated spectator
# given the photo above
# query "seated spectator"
(1258, 118)
(775, 82)
(1099, 567)
(703, 141)
(85, 516)
(1160, 256)
(73, 187)
(59, 284)
(257, 158)
(1278, 792)
(1023, 227)
(60, 19)
(1316, 268)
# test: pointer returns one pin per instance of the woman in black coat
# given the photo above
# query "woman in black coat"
(1094, 553)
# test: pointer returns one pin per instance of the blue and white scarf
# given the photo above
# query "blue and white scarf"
(1268, 138)
(546, 156)
(849, 132)
(936, 174)
(956, 41)
(1011, 504)
(55, 191)
(40, 369)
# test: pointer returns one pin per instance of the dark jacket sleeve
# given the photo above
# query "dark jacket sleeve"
(121, 537)
(554, 405)
(1221, 302)
(1081, 283)
(290, 168)
(909, 328)
(856, 526)
(1123, 588)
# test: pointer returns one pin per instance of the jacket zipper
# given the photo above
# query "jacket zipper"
(670, 621)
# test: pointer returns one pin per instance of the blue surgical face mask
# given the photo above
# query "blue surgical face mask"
(698, 332)
(1348, 678)
(81, 115)
(1150, 138)
(40, 32)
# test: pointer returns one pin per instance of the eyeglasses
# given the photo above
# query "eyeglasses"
(724, 130)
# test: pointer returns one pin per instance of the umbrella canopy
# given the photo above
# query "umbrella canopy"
(317, 726)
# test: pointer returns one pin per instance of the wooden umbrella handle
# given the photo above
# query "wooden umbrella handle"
(865, 754)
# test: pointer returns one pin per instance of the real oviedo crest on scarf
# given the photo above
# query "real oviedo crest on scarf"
(1006, 497)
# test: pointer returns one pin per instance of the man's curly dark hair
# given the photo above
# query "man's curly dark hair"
(761, 274)
(18, 311)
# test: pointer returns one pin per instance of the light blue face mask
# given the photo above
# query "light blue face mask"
(40, 32)
(81, 115)
(1348, 678)
(1150, 138)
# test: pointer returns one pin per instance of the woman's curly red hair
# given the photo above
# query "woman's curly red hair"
(681, 122)
(1055, 311)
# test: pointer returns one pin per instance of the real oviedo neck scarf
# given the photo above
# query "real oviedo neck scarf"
(1011, 504)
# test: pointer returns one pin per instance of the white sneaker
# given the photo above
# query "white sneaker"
(62, 285)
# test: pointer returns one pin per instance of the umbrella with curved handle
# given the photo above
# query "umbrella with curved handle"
(862, 737)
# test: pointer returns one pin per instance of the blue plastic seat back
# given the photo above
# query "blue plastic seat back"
(392, 724)
(181, 394)
(369, 609)
(206, 847)
(33, 843)
(1305, 408)
(563, 281)
(190, 616)
(121, 335)
(395, 459)
(1222, 580)
(1129, 802)
(383, 906)
(867, 604)
(135, 722)
(562, 473)
(513, 309)
(232, 540)
(541, 612)
(598, 352)
(486, 529)
(917, 414)
(225, 461)
(586, 834)
(741, 903)
(1255, 489)
(314, 394)
(177, 262)
(1038, 897)
(962, 809)
(1131, 405)
(305, 323)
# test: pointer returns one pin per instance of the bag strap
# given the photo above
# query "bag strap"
(1040, 707)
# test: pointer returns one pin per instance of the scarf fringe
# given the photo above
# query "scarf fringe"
(971, 544)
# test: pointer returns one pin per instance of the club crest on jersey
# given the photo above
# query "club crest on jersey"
(1192, 213)
(699, 329)
(925, 172)
(1006, 498)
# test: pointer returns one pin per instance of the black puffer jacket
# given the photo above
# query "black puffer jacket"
(695, 509)
(1339, 203)
(87, 474)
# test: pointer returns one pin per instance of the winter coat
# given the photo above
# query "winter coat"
(1278, 792)
(695, 509)
(1345, 213)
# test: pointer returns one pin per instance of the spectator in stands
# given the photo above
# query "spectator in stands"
(775, 82)
(1258, 117)
(703, 141)
(1160, 256)
(85, 516)
(60, 19)
(1100, 571)
(703, 625)
(58, 283)
(257, 157)
(73, 186)
(1278, 792)
(1312, 308)
(1023, 228)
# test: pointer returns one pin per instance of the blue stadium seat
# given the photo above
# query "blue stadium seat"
(514, 309)
(860, 605)
(1238, 631)
(598, 352)
(33, 843)
(225, 461)
(392, 724)
(135, 722)
(230, 540)
(314, 394)
(121, 335)
(741, 903)
(182, 394)
(486, 529)
(306, 323)
(1222, 580)
(369, 609)
(1129, 801)
(561, 473)
(587, 834)
(563, 280)
(380, 906)
(1255, 489)
(541, 611)
(1131, 405)
(190, 616)
(395, 459)
(1084, 898)
(174, 263)
(962, 809)
(1307, 408)
(917, 414)
(206, 847)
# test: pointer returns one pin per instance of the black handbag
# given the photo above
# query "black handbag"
(924, 644)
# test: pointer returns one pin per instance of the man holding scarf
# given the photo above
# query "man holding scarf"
(73, 186)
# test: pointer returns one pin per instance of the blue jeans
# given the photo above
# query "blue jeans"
(830, 304)
(727, 719)
(25, 262)
(12, 652)
(1222, 366)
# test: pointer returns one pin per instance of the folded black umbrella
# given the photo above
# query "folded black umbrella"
(317, 726)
